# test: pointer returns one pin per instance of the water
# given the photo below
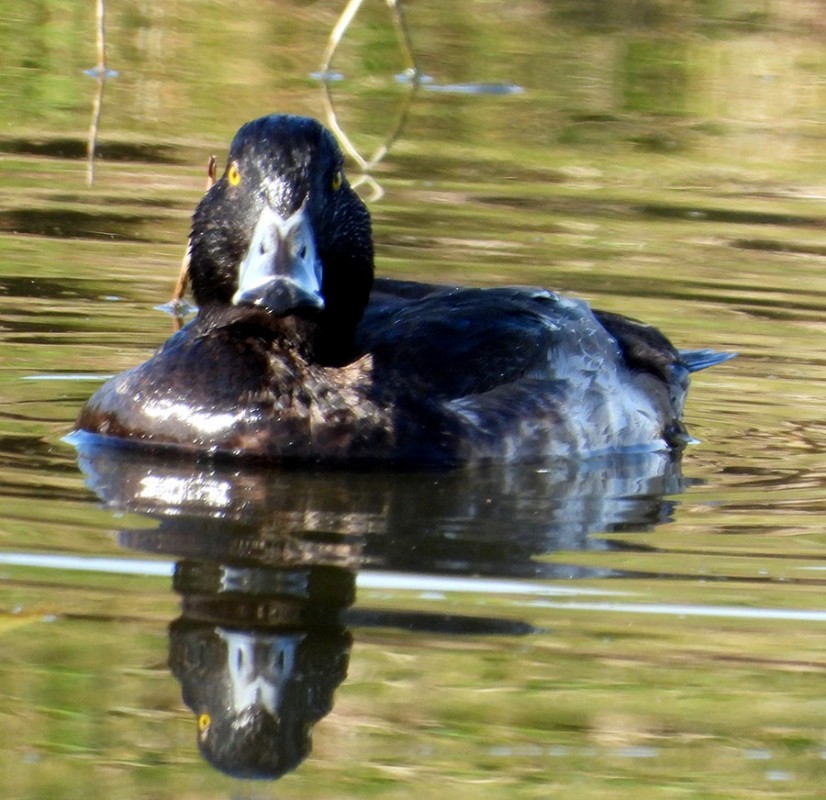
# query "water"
(645, 628)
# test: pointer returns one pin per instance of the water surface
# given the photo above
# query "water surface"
(648, 628)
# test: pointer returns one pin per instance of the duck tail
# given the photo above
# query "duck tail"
(696, 360)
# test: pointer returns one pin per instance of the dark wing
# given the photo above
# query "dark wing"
(523, 370)
(448, 342)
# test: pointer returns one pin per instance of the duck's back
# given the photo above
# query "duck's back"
(522, 372)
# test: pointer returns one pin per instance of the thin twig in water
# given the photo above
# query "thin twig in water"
(343, 22)
(99, 73)
(91, 142)
(183, 274)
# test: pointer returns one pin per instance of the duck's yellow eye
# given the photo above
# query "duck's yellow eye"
(203, 723)
(338, 178)
(233, 175)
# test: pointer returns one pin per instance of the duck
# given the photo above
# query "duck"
(299, 353)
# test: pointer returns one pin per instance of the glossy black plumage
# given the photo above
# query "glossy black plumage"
(297, 353)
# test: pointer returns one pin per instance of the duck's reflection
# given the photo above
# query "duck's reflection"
(490, 520)
(258, 654)
(267, 562)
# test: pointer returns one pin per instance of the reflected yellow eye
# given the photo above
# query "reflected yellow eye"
(203, 723)
(338, 178)
(233, 175)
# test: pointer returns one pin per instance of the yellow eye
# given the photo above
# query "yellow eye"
(203, 723)
(233, 175)
(338, 178)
